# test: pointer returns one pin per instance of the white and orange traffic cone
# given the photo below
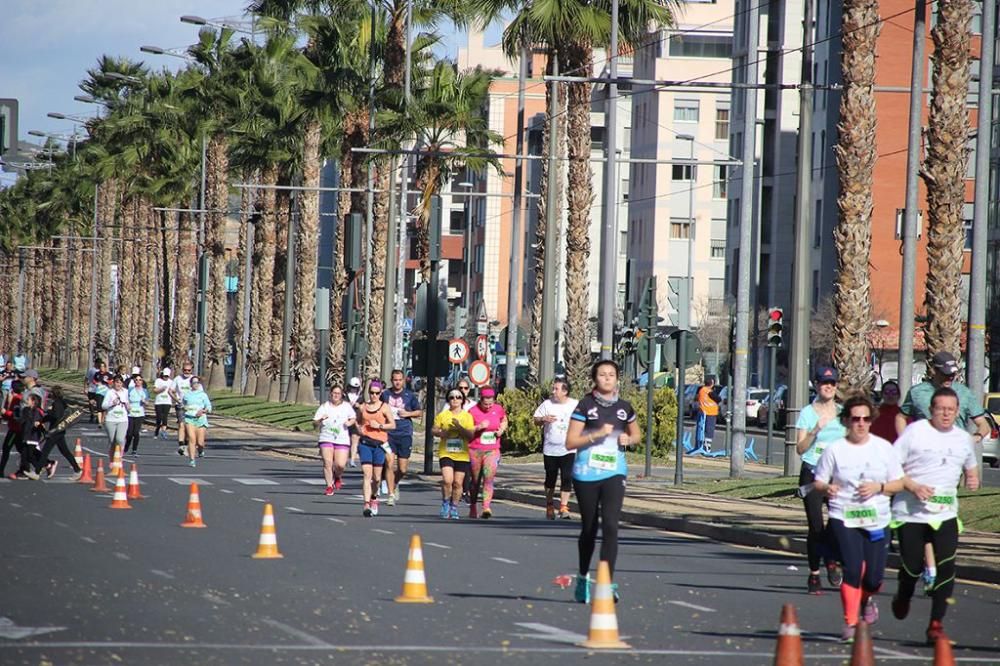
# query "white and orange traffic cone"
(99, 485)
(414, 581)
(863, 652)
(78, 453)
(788, 651)
(133, 485)
(943, 655)
(120, 500)
(116, 462)
(267, 546)
(85, 477)
(603, 621)
(193, 518)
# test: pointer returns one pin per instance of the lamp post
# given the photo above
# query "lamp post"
(176, 53)
(881, 324)
(466, 296)
(684, 302)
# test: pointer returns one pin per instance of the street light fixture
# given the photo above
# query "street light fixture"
(158, 50)
(69, 116)
(237, 25)
(467, 297)
(118, 76)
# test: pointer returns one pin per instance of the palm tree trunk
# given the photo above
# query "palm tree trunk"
(306, 265)
(262, 303)
(855, 153)
(944, 174)
(216, 200)
(74, 270)
(186, 272)
(107, 199)
(61, 284)
(380, 237)
(168, 249)
(145, 287)
(428, 173)
(242, 288)
(580, 197)
(8, 270)
(273, 365)
(128, 284)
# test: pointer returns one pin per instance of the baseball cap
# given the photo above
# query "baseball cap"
(354, 383)
(166, 371)
(32, 373)
(945, 363)
(487, 393)
(827, 374)
(136, 370)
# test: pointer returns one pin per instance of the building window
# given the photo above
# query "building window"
(686, 111)
(818, 224)
(722, 124)
(719, 184)
(704, 45)
(680, 228)
(623, 243)
(718, 250)
(625, 188)
(683, 172)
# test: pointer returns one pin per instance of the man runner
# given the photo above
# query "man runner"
(405, 407)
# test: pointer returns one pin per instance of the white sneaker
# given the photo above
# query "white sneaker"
(384, 488)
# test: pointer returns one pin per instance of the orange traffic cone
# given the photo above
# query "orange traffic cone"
(120, 500)
(788, 651)
(78, 453)
(133, 485)
(99, 485)
(267, 547)
(116, 462)
(414, 581)
(86, 477)
(603, 621)
(943, 655)
(863, 653)
(193, 518)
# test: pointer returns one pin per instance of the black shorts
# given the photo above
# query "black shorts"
(456, 465)
(559, 466)
(92, 399)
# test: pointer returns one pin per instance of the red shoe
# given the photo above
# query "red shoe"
(328, 491)
(337, 483)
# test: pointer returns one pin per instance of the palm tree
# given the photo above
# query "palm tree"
(944, 173)
(855, 153)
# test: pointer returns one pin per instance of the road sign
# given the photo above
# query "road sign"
(482, 326)
(482, 347)
(407, 325)
(479, 373)
(458, 351)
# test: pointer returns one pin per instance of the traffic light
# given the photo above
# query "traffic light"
(628, 339)
(775, 327)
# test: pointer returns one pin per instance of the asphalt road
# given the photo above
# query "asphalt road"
(82, 583)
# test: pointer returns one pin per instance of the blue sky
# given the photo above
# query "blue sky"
(47, 46)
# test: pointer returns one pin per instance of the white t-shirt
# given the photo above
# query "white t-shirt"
(116, 405)
(333, 430)
(936, 459)
(182, 386)
(554, 434)
(352, 398)
(848, 466)
(161, 389)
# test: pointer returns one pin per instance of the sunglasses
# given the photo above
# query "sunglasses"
(828, 383)
(455, 397)
(375, 392)
(861, 419)
(463, 388)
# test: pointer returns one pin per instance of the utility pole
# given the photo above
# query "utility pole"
(514, 287)
(199, 356)
(432, 331)
(370, 216)
(607, 294)
(547, 360)
(798, 357)
(739, 423)
(289, 314)
(389, 300)
(93, 280)
(909, 277)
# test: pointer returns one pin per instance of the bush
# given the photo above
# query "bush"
(664, 418)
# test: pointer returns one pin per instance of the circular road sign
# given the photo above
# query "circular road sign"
(479, 373)
(482, 347)
(458, 351)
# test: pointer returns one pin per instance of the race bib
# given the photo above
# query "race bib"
(942, 501)
(488, 438)
(332, 429)
(137, 410)
(118, 410)
(453, 446)
(606, 462)
(860, 515)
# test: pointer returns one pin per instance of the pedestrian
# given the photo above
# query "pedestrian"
(161, 402)
(90, 389)
(490, 421)
(101, 386)
(708, 412)
(944, 372)
(405, 407)
(14, 438)
(602, 426)
(375, 420)
(21, 361)
(334, 418)
(553, 416)
(137, 397)
(181, 387)
(818, 426)
(54, 423)
(115, 406)
(464, 386)
(454, 428)
(354, 391)
(935, 453)
(30, 419)
(7, 377)
(32, 386)
(884, 424)
(858, 474)
(196, 406)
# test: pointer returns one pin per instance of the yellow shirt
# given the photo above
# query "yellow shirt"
(453, 445)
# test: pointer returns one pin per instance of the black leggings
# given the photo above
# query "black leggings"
(132, 435)
(863, 558)
(818, 543)
(12, 440)
(559, 466)
(605, 496)
(162, 414)
(55, 440)
(912, 537)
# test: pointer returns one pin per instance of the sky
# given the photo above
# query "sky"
(48, 45)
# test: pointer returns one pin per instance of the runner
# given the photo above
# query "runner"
(553, 416)
(137, 397)
(884, 424)
(115, 406)
(354, 391)
(14, 438)
(55, 437)
(30, 418)
(464, 387)
(934, 454)
(355, 398)
(197, 406)
(858, 473)
(405, 407)
(7, 377)
(90, 388)
(162, 402)
(484, 450)
(375, 421)
(454, 428)
(182, 384)
(917, 404)
(708, 412)
(334, 418)
(601, 427)
(818, 427)
(102, 384)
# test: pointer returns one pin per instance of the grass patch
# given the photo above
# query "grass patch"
(61, 375)
(282, 415)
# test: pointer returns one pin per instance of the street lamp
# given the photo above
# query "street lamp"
(176, 53)
(125, 78)
(684, 318)
(467, 299)
(237, 25)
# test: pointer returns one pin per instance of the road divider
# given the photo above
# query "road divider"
(414, 581)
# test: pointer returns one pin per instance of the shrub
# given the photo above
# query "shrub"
(664, 418)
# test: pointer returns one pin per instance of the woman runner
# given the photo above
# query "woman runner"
(454, 428)
(197, 406)
(162, 402)
(484, 449)
(375, 421)
(115, 405)
(334, 418)
(137, 397)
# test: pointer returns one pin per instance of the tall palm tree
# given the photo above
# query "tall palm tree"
(944, 173)
(855, 153)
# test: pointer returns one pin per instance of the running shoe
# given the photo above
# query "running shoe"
(834, 574)
(181, 449)
(473, 511)
(614, 592)
(193, 463)
(50, 469)
(813, 585)
(870, 611)
(582, 591)
(550, 511)
(77, 476)
(16, 476)
(935, 630)
(847, 635)
(31, 474)
(453, 512)
(384, 488)
(374, 507)
(929, 577)
(900, 607)
(368, 510)
(564, 512)
(395, 493)
(445, 509)
(487, 514)
(328, 491)
(391, 501)
(201, 453)
(337, 483)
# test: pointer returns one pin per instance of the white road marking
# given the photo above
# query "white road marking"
(258, 499)
(9, 629)
(336, 520)
(60, 523)
(437, 545)
(15, 505)
(295, 509)
(212, 598)
(834, 639)
(504, 560)
(35, 514)
(549, 633)
(162, 574)
(122, 556)
(312, 482)
(256, 481)
(382, 531)
(88, 539)
(298, 633)
(227, 491)
(703, 609)
(187, 480)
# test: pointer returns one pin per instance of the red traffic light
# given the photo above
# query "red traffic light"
(775, 314)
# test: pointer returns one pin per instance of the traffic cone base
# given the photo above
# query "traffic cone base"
(99, 484)
(863, 652)
(943, 655)
(133, 485)
(603, 621)
(267, 546)
(414, 581)
(194, 518)
(86, 477)
(788, 650)
(120, 500)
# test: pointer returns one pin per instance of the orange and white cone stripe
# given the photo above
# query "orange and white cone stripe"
(120, 499)
(78, 453)
(267, 546)
(133, 485)
(603, 621)
(193, 518)
(116, 461)
(414, 581)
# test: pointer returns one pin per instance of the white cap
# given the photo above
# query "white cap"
(166, 371)
(354, 383)
(136, 370)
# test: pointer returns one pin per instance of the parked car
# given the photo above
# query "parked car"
(991, 444)
(691, 400)
(778, 401)
(755, 397)
(993, 404)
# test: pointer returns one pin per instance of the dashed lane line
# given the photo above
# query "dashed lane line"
(256, 481)
(375, 529)
(685, 604)
(504, 560)
(187, 480)
(227, 491)
(311, 640)
(437, 545)
(336, 520)
(162, 574)
(295, 509)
